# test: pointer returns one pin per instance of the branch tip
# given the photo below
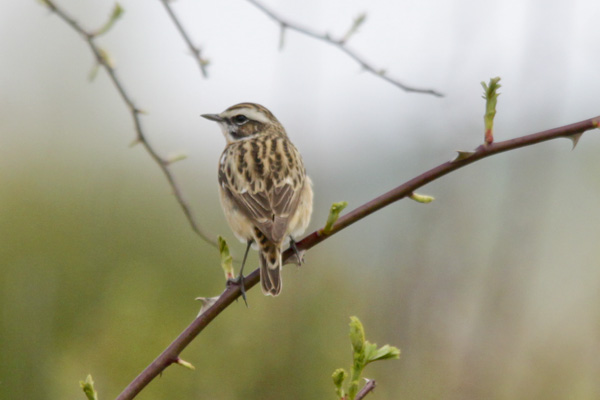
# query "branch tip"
(196, 51)
(358, 21)
(88, 388)
(340, 44)
(116, 13)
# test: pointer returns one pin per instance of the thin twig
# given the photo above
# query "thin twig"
(368, 388)
(171, 353)
(340, 44)
(196, 51)
(135, 114)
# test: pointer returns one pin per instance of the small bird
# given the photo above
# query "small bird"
(265, 193)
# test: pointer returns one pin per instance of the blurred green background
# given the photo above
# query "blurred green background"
(491, 292)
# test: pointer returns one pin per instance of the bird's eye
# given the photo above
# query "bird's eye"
(240, 119)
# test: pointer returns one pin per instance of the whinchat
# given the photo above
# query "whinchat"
(265, 193)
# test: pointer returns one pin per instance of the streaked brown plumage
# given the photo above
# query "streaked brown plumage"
(265, 193)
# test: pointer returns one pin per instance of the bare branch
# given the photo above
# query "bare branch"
(368, 388)
(196, 51)
(171, 353)
(340, 44)
(135, 114)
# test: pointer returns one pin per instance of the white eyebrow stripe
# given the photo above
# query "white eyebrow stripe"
(251, 113)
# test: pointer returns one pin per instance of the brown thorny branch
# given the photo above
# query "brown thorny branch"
(163, 163)
(340, 44)
(213, 307)
(231, 293)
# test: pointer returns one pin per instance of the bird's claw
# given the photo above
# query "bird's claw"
(239, 281)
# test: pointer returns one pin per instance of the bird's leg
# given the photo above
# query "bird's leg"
(240, 279)
(293, 246)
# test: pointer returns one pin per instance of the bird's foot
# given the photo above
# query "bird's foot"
(239, 281)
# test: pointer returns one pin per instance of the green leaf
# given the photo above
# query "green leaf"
(357, 335)
(491, 99)
(116, 13)
(364, 352)
(339, 375)
(370, 351)
(88, 388)
(226, 258)
(386, 352)
(334, 214)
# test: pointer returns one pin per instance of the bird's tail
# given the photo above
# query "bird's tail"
(270, 269)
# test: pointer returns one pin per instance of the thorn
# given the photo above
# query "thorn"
(462, 155)
(207, 303)
(293, 259)
(575, 139)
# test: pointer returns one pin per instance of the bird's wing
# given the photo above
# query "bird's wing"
(268, 200)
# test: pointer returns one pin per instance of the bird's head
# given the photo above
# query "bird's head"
(245, 120)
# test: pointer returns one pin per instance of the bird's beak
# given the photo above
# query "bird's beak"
(213, 117)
